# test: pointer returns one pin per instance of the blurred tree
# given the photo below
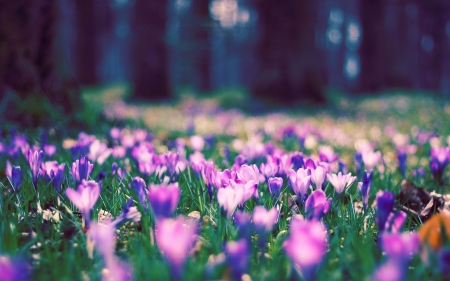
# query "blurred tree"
(85, 44)
(372, 51)
(201, 24)
(290, 65)
(434, 17)
(28, 63)
(149, 55)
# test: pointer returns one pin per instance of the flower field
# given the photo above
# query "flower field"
(193, 191)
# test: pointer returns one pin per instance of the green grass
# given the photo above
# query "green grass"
(57, 250)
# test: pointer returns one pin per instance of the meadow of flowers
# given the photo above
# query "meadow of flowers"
(205, 193)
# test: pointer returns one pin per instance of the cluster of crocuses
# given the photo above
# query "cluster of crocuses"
(307, 178)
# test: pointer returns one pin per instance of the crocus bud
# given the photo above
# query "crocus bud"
(385, 204)
(81, 169)
(16, 177)
(364, 188)
(229, 198)
(35, 161)
(318, 176)
(138, 185)
(275, 185)
(401, 157)
(164, 199)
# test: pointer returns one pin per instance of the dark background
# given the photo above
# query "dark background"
(286, 51)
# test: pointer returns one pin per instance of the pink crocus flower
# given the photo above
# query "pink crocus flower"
(326, 154)
(318, 176)
(197, 143)
(248, 172)
(229, 198)
(371, 159)
(84, 197)
(268, 169)
(306, 245)
(341, 182)
(264, 219)
(300, 181)
(175, 238)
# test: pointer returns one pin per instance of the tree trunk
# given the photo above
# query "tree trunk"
(85, 49)
(149, 51)
(372, 51)
(289, 62)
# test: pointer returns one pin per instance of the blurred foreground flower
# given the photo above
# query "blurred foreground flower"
(175, 239)
(399, 248)
(12, 270)
(238, 257)
(306, 246)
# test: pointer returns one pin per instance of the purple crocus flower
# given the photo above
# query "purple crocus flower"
(440, 157)
(401, 157)
(81, 169)
(14, 174)
(208, 175)
(358, 163)
(243, 223)
(364, 188)
(343, 167)
(238, 257)
(326, 154)
(175, 239)
(275, 185)
(309, 163)
(164, 199)
(317, 205)
(395, 221)
(54, 173)
(85, 197)
(341, 182)
(171, 161)
(385, 205)
(35, 161)
(306, 245)
(297, 160)
(400, 246)
(129, 213)
(116, 170)
(300, 182)
(13, 269)
(138, 185)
